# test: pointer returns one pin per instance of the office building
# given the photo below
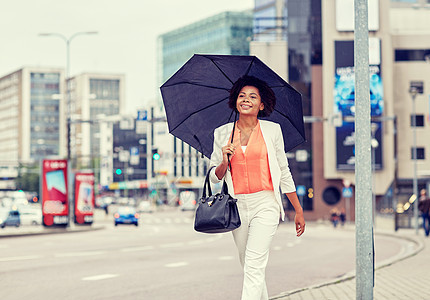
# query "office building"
(93, 96)
(224, 33)
(31, 119)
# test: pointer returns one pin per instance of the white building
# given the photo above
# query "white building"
(31, 118)
(92, 95)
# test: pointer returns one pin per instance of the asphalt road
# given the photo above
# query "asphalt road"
(164, 258)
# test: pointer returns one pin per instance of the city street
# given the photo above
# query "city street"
(164, 258)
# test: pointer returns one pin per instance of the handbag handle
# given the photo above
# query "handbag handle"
(208, 186)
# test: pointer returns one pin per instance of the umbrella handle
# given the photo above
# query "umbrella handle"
(232, 136)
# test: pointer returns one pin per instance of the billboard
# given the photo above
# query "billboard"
(345, 15)
(344, 102)
(84, 198)
(55, 203)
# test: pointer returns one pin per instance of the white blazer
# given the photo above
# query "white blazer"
(278, 162)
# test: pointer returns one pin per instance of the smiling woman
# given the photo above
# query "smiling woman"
(255, 173)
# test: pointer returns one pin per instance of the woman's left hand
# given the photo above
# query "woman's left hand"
(300, 223)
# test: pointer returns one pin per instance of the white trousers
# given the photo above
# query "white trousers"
(259, 214)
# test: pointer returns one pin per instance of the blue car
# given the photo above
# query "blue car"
(9, 218)
(126, 215)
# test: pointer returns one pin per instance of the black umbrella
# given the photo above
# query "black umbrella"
(196, 99)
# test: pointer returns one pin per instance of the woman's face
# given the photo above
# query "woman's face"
(249, 101)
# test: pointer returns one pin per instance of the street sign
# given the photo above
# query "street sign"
(301, 190)
(134, 156)
(142, 115)
(347, 192)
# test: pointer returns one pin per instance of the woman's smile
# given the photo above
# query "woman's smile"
(249, 101)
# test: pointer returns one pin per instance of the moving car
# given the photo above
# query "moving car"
(31, 216)
(126, 215)
(9, 218)
(187, 200)
(145, 206)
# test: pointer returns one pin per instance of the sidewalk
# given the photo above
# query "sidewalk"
(403, 277)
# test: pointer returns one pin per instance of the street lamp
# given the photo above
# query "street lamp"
(68, 42)
(413, 91)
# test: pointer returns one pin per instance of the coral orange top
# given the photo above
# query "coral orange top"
(250, 169)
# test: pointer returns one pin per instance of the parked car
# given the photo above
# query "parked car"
(126, 215)
(145, 206)
(187, 200)
(9, 218)
(30, 216)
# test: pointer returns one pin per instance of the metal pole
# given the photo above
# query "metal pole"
(414, 154)
(363, 168)
(68, 113)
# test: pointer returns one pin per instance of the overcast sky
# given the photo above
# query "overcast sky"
(126, 42)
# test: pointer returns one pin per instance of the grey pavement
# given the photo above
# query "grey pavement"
(404, 277)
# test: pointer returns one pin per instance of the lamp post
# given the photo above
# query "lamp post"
(413, 91)
(68, 41)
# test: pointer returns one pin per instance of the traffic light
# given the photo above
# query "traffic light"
(155, 154)
(118, 171)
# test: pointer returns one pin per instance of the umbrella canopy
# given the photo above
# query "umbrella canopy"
(196, 99)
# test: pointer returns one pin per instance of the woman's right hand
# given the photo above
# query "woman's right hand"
(227, 150)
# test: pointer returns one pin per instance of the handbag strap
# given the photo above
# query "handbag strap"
(207, 184)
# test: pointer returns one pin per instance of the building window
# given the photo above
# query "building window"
(419, 120)
(411, 54)
(420, 153)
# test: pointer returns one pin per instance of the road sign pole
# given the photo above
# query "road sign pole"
(363, 169)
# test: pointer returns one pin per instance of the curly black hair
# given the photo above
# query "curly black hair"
(267, 95)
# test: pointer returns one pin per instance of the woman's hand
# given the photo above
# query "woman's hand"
(222, 167)
(226, 151)
(300, 223)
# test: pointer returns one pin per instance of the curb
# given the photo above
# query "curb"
(351, 275)
(46, 231)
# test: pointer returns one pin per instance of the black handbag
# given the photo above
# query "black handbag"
(216, 213)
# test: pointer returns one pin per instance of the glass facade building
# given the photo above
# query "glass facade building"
(299, 23)
(44, 115)
(104, 99)
(224, 33)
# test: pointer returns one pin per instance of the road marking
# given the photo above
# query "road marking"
(225, 258)
(78, 254)
(277, 248)
(176, 265)
(15, 258)
(290, 245)
(100, 277)
(133, 249)
(196, 242)
(172, 245)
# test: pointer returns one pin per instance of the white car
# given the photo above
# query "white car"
(145, 206)
(31, 216)
(187, 200)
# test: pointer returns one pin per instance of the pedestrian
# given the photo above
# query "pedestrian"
(334, 217)
(424, 207)
(342, 216)
(254, 167)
